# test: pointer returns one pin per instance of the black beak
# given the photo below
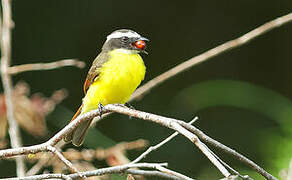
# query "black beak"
(143, 39)
(145, 52)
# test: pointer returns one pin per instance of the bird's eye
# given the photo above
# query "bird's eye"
(125, 38)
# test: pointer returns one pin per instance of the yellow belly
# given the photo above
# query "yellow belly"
(119, 78)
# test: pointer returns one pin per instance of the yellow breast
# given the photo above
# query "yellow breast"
(118, 79)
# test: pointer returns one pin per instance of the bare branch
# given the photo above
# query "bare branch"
(168, 122)
(7, 84)
(245, 177)
(181, 176)
(45, 66)
(151, 173)
(119, 169)
(234, 177)
(187, 131)
(62, 158)
(38, 166)
(172, 124)
(211, 53)
(228, 150)
(51, 142)
(43, 176)
(112, 170)
(153, 148)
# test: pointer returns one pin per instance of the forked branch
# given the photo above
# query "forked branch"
(183, 128)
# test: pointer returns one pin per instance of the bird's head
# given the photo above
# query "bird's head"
(125, 40)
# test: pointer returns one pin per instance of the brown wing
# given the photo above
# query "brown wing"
(69, 136)
(94, 70)
(77, 136)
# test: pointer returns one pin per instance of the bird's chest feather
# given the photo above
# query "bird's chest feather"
(123, 69)
(119, 77)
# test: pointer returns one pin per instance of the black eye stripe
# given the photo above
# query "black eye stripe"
(125, 38)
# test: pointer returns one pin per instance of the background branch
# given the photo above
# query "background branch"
(45, 66)
(211, 53)
(7, 25)
(38, 166)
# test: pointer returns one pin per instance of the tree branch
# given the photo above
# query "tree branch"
(211, 53)
(152, 173)
(45, 66)
(168, 122)
(114, 170)
(153, 148)
(172, 124)
(7, 84)
(38, 166)
(228, 150)
(62, 158)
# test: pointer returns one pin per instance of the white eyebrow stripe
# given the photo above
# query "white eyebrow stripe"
(121, 34)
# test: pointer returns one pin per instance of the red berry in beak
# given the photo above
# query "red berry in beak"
(140, 44)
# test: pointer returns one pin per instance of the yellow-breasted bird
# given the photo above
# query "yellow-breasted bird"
(114, 75)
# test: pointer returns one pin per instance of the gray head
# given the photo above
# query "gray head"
(125, 39)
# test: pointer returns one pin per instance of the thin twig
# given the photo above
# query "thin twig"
(211, 53)
(43, 176)
(45, 66)
(228, 150)
(43, 160)
(153, 148)
(7, 84)
(110, 170)
(62, 158)
(118, 169)
(172, 124)
(152, 173)
(245, 177)
(168, 171)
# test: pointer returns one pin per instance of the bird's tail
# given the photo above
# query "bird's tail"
(77, 136)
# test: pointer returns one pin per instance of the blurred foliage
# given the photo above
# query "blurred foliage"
(249, 112)
(275, 140)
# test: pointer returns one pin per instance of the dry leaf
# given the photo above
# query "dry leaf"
(30, 112)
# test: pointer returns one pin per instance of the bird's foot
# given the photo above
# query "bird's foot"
(100, 109)
(129, 106)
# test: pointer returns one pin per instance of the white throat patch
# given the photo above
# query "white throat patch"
(118, 34)
(126, 51)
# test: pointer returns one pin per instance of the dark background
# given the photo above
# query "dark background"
(243, 97)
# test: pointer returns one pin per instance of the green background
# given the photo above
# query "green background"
(242, 97)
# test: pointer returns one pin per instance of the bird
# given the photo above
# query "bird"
(114, 75)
